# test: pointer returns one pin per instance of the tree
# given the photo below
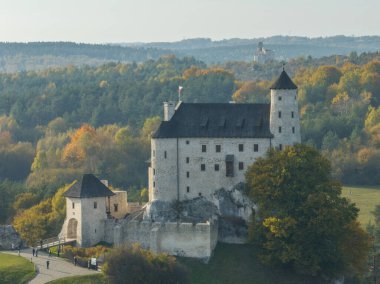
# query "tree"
(131, 264)
(302, 221)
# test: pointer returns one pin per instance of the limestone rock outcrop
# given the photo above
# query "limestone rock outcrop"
(9, 238)
(231, 207)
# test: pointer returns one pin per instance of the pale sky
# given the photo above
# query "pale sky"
(106, 21)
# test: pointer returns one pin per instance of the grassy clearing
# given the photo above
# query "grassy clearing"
(15, 269)
(87, 279)
(366, 198)
(238, 264)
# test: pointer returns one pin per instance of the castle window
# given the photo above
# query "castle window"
(216, 167)
(154, 184)
(95, 231)
(204, 148)
(279, 114)
(187, 142)
(187, 174)
(280, 147)
(187, 188)
(295, 97)
(255, 147)
(229, 165)
(241, 147)
(116, 207)
(203, 167)
(154, 153)
(95, 205)
(241, 166)
(165, 154)
(293, 130)
(73, 205)
(218, 148)
(200, 193)
(187, 160)
(292, 114)
(154, 172)
(279, 98)
(279, 129)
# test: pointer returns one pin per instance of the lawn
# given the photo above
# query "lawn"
(232, 264)
(365, 198)
(87, 279)
(15, 269)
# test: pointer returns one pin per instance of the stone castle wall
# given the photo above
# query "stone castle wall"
(192, 181)
(182, 239)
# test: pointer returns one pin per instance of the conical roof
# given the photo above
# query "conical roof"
(88, 186)
(283, 83)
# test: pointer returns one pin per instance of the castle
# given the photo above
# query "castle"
(263, 55)
(199, 155)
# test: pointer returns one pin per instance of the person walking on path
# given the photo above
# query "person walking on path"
(49, 252)
(36, 252)
(75, 261)
(33, 251)
(47, 264)
(41, 243)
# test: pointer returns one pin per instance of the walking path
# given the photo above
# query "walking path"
(58, 267)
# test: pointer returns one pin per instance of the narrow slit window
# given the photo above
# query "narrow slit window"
(165, 154)
(241, 166)
(279, 98)
(279, 114)
(293, 130)
(73, 205)
(216, 167)
(203, 167)
(116, 207)
(187, 188)
(292, 114)
(187, 160)
(241, 147)
(95, 205)
(187, 174)
(218, 148)
(204, 148)
(255, 147)
(279, 129)
(280, 147)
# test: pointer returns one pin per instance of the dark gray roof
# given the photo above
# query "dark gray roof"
(283, 83)
(88, 186)
(217, 120)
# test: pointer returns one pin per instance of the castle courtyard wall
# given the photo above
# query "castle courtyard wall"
(181, 239)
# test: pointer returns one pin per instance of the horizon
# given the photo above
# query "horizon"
(194, 38)
(147, 21)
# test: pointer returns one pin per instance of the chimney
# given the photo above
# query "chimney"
(169, 109)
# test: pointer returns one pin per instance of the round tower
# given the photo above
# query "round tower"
(284, 115)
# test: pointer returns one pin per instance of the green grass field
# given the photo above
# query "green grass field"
(15, 269)
(365, 198)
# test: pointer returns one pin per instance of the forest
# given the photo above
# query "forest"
(59, 123)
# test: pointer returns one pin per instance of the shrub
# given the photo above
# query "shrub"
(131, 264)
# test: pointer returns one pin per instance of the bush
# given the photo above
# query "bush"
(131, 264)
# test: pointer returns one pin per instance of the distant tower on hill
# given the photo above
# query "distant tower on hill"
(263, 55)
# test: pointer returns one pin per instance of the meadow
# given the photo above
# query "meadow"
(365, 198)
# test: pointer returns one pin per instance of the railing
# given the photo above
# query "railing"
(54, 241)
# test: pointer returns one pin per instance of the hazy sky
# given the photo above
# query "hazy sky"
(100, 21)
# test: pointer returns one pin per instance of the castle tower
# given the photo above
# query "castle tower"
(284, 115)
(87, 207)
